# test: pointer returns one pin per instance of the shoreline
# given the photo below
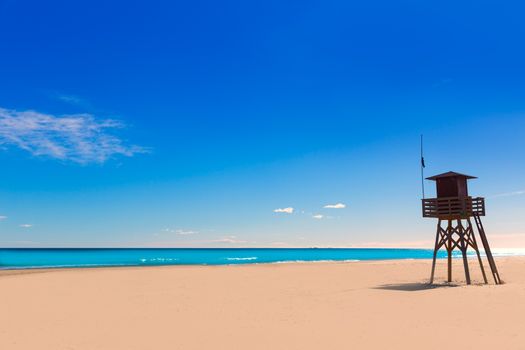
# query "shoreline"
(28, 270)
(109, 258)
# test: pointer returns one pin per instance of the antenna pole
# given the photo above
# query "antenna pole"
(422, 169)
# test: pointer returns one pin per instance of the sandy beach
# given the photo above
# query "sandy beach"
(361, 305)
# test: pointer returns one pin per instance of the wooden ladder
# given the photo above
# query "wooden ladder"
(486, 247)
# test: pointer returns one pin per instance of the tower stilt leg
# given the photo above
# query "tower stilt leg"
(474, 245)
(449, 251)
(463, 247)
(488, 252)
(436, 248)
(449, 266)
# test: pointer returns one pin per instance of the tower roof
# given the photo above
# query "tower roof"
(450, 174)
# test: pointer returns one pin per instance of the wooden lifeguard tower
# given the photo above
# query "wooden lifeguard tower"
(454, 207)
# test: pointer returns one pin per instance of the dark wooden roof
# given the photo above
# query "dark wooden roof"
(450, 174)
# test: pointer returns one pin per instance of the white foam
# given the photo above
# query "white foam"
(508, 252)
(36, 267)
(158, 259)
(242, 259)
(314, 261)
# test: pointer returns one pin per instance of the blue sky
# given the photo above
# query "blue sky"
(166, 123)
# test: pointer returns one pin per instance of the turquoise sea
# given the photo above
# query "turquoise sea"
(43, 258)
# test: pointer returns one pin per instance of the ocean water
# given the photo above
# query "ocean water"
(43, 258)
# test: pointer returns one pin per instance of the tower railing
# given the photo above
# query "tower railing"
(453, 207)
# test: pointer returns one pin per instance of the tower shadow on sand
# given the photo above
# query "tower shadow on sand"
(415, 287)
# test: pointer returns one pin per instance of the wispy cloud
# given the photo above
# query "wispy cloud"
(3, 217)
(79, 138)
(20, 243)
(229, 240)
(405, 244)
(284, 210)
(185, 232)
(509, 194)
(181, 232)
(72, 99)
(26, 225)
(335, 206)
(318, 216)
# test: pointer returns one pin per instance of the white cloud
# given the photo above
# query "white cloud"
(185, 232)
(284, 210)
(180, 232)
(72, 99)
(26, 225)
(2, 217)
(509, 194)
(406, 244)
(318, 216)
(335, 206)
(228, 240)
(79, 138)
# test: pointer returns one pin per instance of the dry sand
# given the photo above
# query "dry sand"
(365, 305)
